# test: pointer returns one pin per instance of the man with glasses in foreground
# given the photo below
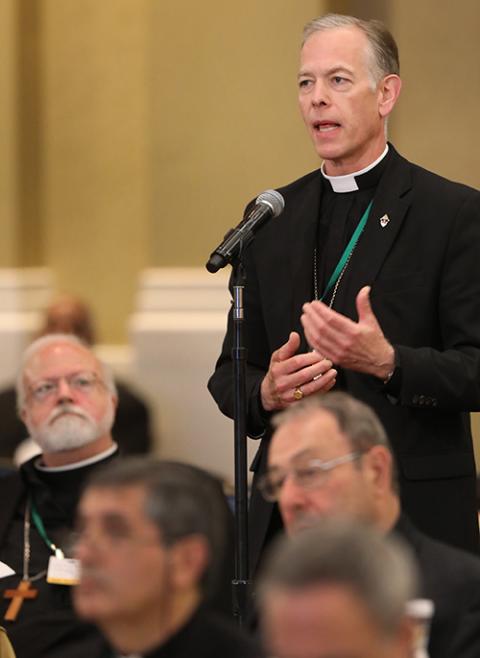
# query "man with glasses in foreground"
(67, 399)
(330, 457)
(150, 539)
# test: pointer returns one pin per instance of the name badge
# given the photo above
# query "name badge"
(63, 571)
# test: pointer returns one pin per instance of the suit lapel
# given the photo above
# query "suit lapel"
(392, 201)
(302, 241)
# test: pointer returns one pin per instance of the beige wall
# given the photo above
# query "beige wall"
(142, 127)
(96, 150)
(8, 133)
(436, 122)
(226, 120)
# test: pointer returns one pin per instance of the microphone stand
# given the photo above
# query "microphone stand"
(241, 584)
(270, 203)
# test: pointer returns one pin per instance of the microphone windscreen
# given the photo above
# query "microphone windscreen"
(273, 199)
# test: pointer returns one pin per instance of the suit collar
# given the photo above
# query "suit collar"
(358, 180)
(391, 203)
(302, 241)
(393, 198)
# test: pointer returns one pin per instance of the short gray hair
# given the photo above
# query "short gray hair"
(52, 339)
(181, 500)
(379, 570)
(383, 55)
(356, 420)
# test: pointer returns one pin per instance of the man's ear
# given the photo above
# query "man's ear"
(189, 558)
(389, 91)
(379, 462)
(406, 635)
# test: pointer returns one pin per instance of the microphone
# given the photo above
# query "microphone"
(268, 204)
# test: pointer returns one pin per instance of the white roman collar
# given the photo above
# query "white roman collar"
(347, 183)
(80, 464)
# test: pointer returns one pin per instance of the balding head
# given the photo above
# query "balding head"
(329, 456)
(68, 314)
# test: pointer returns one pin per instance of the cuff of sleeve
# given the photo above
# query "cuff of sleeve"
(258, 418)
(393, 384)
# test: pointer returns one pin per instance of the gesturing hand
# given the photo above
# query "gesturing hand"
(289, 371)
(359, 346)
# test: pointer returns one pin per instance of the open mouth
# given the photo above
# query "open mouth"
(325, 126)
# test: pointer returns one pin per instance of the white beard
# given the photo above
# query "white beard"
(69, 427)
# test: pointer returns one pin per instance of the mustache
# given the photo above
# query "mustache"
(94, 574)
(67, 407)
(303, 521)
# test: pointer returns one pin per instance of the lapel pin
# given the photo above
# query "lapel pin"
(384, 220)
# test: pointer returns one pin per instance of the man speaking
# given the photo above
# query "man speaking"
(368, 282)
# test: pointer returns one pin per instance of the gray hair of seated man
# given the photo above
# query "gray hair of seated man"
(356, 420)
(52, 339)
(181, 500)
(379, 570)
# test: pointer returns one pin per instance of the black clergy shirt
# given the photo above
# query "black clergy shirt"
(46, 626)
(205, 635)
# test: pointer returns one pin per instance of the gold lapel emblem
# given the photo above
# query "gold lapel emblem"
(384, 220)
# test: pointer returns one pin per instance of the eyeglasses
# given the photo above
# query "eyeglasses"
(116, 536)
(81, 382)
(309, 475)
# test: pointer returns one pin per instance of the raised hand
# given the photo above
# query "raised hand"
(292, 376)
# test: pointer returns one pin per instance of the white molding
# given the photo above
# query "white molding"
(186, 289)
(176, 333)
(25, 289)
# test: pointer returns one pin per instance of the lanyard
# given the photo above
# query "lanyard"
(37, 519)
(347, 251)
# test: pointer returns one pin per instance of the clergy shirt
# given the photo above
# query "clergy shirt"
(47, 625)
(340, 213)
(204, 635)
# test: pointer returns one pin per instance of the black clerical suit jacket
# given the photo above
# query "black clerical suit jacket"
(46, 626)
(423, 267)
(451, 579)
(205, 635)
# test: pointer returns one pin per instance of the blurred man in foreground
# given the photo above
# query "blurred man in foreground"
(150, 541)
(337, 590)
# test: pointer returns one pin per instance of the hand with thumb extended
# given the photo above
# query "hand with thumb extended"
(364, 308)
(359, 346)
(289, 371)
